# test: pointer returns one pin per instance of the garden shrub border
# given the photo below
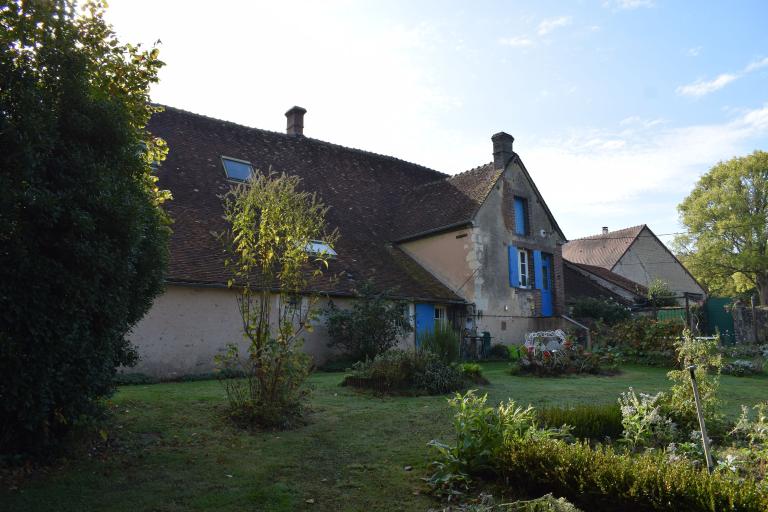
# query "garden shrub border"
(602, 479)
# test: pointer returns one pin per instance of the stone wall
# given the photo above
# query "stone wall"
(746, 326)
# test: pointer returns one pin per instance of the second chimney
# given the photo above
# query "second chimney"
(295, 121)
(502, 149)
(605, 230)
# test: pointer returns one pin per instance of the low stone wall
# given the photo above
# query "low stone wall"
(750, 328)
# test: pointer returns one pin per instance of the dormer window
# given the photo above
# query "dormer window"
(320, 247)
(237, 170)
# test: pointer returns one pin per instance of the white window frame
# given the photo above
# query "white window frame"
(441, 316)
(522, 267)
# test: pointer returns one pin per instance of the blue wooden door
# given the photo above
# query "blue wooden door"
(425, 320)
(546, 285)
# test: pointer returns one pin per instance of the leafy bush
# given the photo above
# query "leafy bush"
(371, 327)
(743, 367)
(607, 311)
(586, 421)
(601, 479)
(83, 238)
(642, 339)
(516, 352)
(473, 372)
(644, 422)
(443, 341)
(406, 372)
(482, 434)
(659, 294)
(679, 403)
(570, 359)
(270, 222)
(499, 352)
(753, 433)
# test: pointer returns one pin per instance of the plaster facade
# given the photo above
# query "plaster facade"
(648, 259)
(188, 326)
(474, 262)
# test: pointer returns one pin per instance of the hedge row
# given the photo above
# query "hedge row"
(601, 479)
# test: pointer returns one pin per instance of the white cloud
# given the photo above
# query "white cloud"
(693, 52)
(628, 4)
(597, 178)
(516, 42)
(702, 88)
(758, 64)
(550, 24)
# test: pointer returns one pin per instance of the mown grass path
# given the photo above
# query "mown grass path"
(173, 451)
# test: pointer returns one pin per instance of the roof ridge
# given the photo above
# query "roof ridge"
(601, 235)
(469, 170)
(304, 137)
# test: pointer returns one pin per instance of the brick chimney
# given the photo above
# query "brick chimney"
(502, 149)
(605, 230)
(295, 121)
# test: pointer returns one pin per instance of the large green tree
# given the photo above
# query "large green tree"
(726, 216)
(83, 240)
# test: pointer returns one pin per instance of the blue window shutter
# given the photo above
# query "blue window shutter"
(537, 272)
(514, 267)
(520, 216)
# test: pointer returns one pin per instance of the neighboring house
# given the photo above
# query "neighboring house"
(480, 249)
(589, 281)
(630, 255)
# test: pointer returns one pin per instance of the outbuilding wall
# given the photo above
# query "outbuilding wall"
(188, 326)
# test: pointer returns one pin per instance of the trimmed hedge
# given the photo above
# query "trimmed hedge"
(601, 479)
(588, 421)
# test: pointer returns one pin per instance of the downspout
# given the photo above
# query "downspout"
(577, 324)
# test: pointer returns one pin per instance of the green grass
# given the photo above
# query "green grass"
(174, 452)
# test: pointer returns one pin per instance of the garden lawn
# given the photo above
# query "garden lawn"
(172, 450)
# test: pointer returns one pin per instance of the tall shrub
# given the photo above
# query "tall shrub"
(704, 355)
(83, 241)
(443, 341)
(371, 327)
(272, 224)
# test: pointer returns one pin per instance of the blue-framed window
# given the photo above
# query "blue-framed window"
(238, 170)
(521, 216)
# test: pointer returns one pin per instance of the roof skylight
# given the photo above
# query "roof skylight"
(239, 170)
(320, 247)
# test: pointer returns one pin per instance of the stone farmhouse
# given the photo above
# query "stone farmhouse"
(622, 264)
(479, 250)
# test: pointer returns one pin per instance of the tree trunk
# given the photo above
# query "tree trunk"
(762, 287)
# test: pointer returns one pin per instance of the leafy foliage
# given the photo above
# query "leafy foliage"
(442, 341)
(607, 311)
(371, 327)
(498, 352)
(644, 422)
(585, 421)
(570, 359)
(659, 294)
(726, 247)
(482, 435)
(83, 238)
(680, 404)
(271, 224)
(599, 478)
(406, 372)
(642, 339)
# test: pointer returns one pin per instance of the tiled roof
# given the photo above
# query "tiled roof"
(444, 202)
(361, 189)
(613, 278)
(604, 250)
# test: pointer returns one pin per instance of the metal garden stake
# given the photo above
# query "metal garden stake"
(704, 436)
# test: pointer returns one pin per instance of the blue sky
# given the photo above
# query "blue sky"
(616, 106)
